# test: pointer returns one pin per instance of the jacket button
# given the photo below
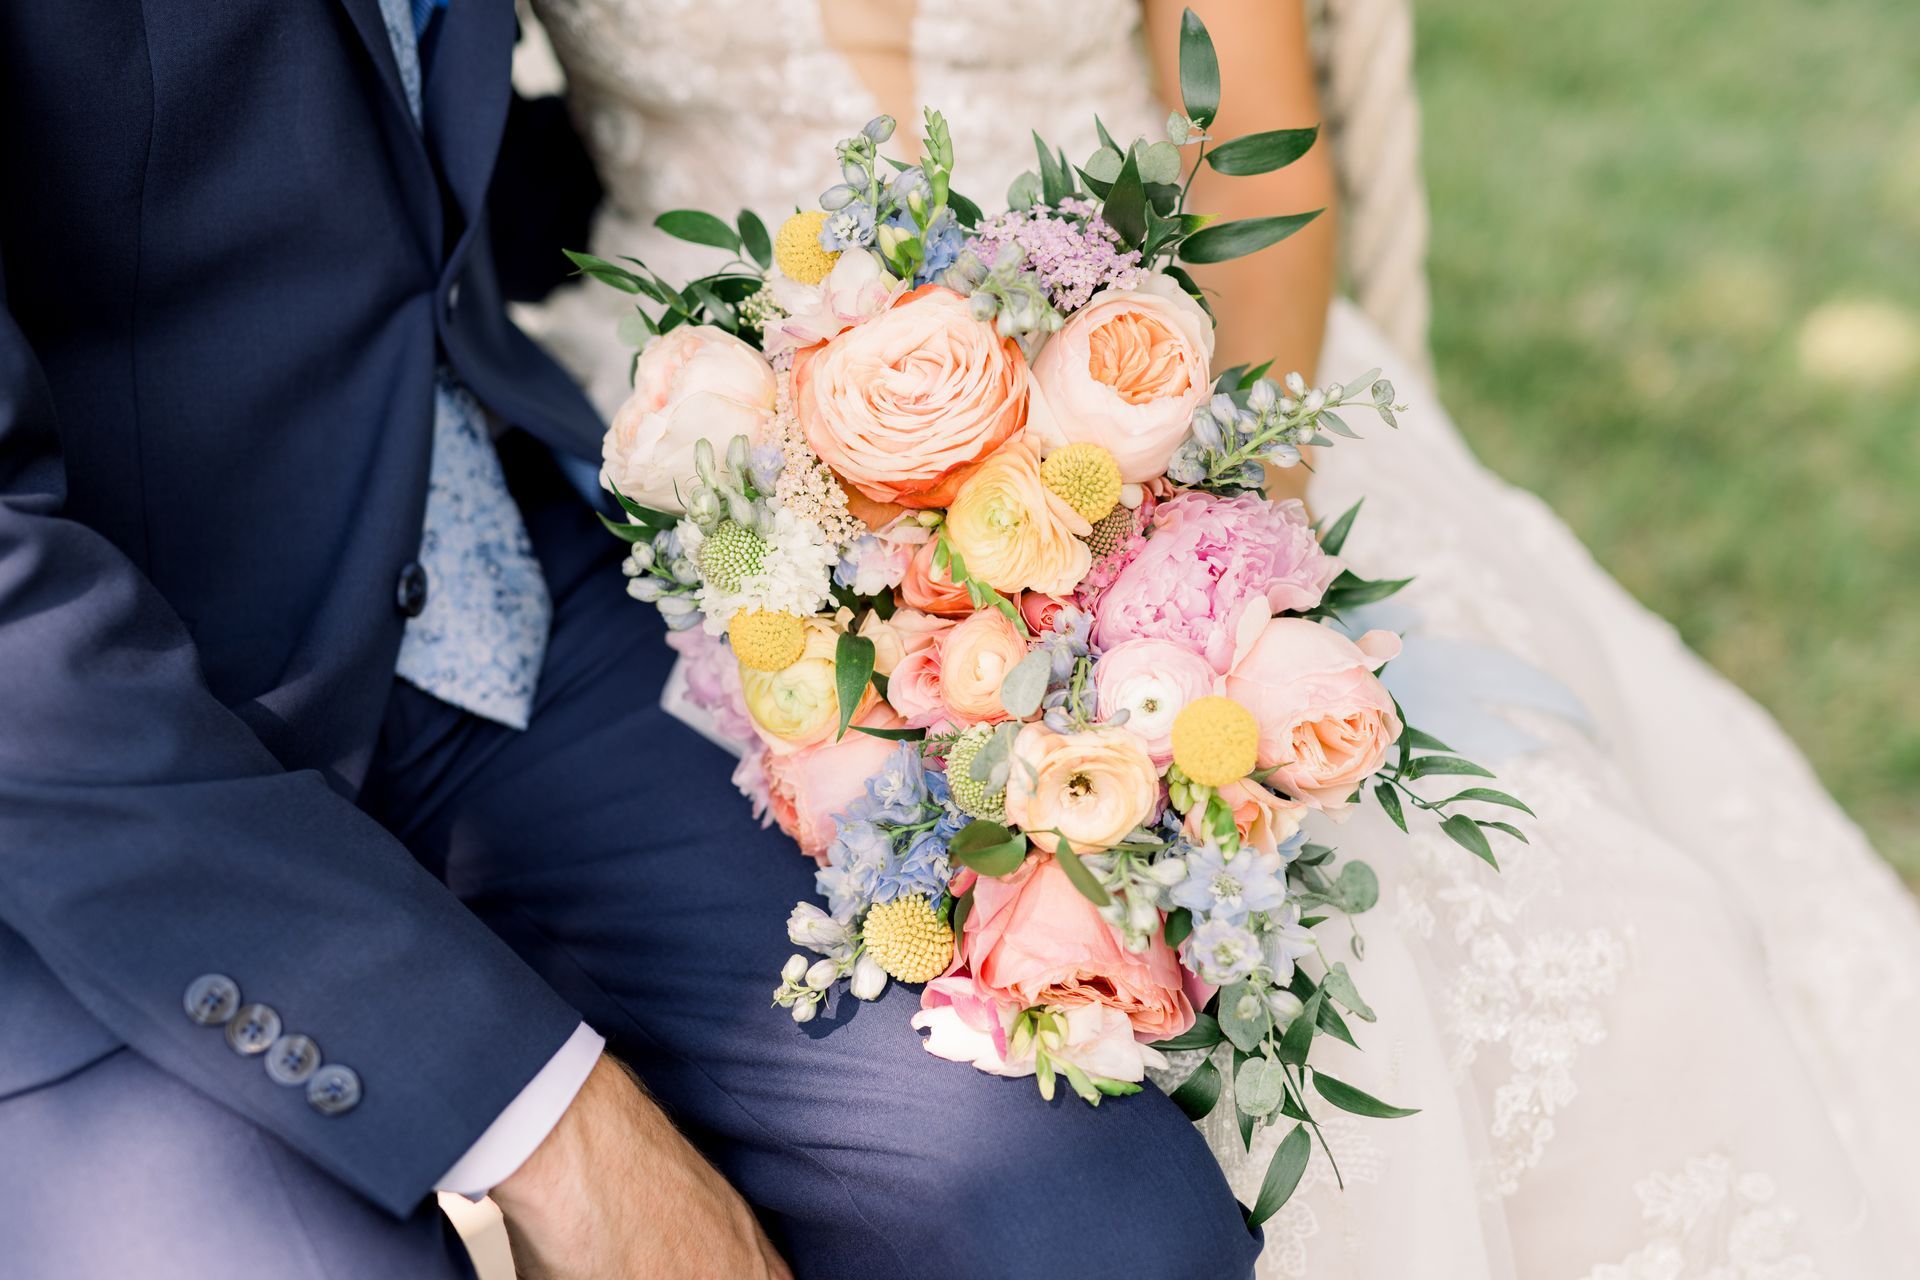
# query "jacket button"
(453, 298)
(211, 999)
(292, 1060)
(410, 593)
(334, 1090)
(254, 1028)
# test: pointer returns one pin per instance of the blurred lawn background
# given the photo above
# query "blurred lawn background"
(1676, 272)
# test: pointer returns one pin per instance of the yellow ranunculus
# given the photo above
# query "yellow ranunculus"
(798, 706)
(1013, 532)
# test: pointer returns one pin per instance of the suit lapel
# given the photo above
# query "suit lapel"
(468, 86)
(373, 33)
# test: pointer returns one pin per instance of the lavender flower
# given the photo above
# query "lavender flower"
(1073, 254)
(1220, 888)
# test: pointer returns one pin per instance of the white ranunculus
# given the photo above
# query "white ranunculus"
(692, 383)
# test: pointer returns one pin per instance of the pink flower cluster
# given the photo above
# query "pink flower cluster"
(1072, 259)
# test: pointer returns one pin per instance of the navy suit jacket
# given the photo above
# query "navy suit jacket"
(231, 263)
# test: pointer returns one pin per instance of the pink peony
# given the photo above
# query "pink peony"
(1326, 722)
(1031, 938)
(1205, 559)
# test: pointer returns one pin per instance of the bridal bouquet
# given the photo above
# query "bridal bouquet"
(965, 546)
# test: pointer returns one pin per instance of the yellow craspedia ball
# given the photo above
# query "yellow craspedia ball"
(797, 251)
(1215, 741)
(907, 939)
(1086, 476)
(764, 640)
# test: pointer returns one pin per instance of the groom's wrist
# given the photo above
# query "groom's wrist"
(518, 1131)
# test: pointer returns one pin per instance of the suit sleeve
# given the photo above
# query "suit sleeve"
(542, 198)
(148, 839)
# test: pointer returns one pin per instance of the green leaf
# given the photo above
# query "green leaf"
(1259, 1086)
(1350, 591)
(988, 848)
(1338, 984)
(1203, 1034)
(1427, 766)
(1023, 687)
(1261, 152)
(1055, 183)
(1336, 535)
(1125, 209)
(1179, 925)
(892, 735)
(1332, 1024)
(1464, 832)
(605, 272)
(1078, 875)
(1194, 291)
(1390, 803)
(624, 531)
(698, 226)
(962, 908)
(1487, 795)
(1106, 139)
(1348, 1098)
(1424, 741)
(852, 668)
(1199, 1092)
(1244, 1015)
(1199, 71)
(1246, 1127)
(1225, 241)
(1298, 1037)
(1158, 162)
(1254, 374)
(753, 236)
(1507, 827)
(964, 209)
(1283, 1175)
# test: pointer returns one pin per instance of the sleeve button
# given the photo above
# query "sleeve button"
(292, 1060)
(253, 1029)
(334, 1090)
(211, 999)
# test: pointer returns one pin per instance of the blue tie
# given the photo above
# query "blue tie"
(479, 641)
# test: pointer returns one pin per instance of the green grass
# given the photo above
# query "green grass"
(1636, 208)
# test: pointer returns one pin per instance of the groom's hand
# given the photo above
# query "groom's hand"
(615, 1191)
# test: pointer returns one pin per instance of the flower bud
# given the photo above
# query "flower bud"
(1167, 872)
(1285, 1007)
(1263, 396)
(1296, 385)
(804, 1011)
(880, 128)
(869, 979)
(646, 590)
(794, 969)
(853, 173)
(821, 974)
(837, 197)
(1315, 401)
(677, 606)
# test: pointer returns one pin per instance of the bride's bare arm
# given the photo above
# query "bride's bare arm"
(1272, 304)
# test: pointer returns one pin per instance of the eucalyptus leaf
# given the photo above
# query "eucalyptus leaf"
(1261, 152)
(1024, 191)
(1225, 241)
(1283, 1175)
(699, 227)
(1244, 1015)
(1360, 1103)
(1338, 984)
(852, 669)
(1158, 162)
(1103, 164)
(1199, 70)
(1356, 889)
(1023, 687)
(1259, 1086)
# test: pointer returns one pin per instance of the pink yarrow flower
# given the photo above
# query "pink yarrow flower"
(1071, 258)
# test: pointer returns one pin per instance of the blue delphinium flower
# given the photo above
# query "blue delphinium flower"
(897, 794)
(1223, 952)
(849, 227)
(1285, 940)
(941, 243)
(1219, 888)
(856, 857)
(921, 867)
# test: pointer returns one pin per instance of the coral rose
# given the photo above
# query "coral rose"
(902, 404)
(1093, 786)
(1013, 532)
(974, 658)
(692, 383)
(1032, 939)
(1326, 722)
(1126, 372)
(806, 788)
(1264, 820)
(928, 588)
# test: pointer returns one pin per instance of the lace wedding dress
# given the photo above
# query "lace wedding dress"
(1673, 1037)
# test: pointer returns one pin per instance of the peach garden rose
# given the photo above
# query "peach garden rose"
(901, 405)
(692, 383)
(1126, 372)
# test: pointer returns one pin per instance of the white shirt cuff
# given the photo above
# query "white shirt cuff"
(519, 1130)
